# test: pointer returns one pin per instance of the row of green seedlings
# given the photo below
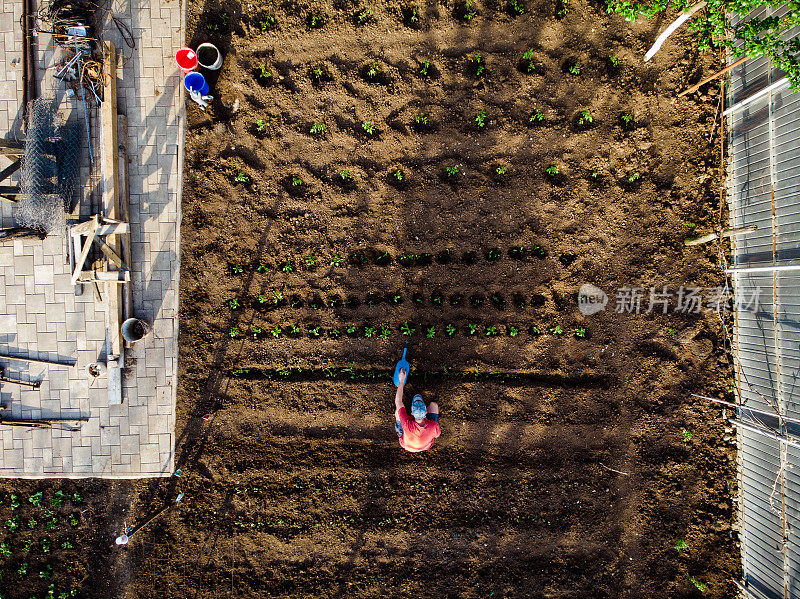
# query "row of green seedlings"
(50, 521)
(407, 329)
(364, 258)
(407, 13)
(266, 302)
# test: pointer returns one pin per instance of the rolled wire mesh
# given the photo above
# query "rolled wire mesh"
(49, 172)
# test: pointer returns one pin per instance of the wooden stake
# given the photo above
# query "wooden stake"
(694, 88)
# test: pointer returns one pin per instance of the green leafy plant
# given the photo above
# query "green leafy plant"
(344, 176)
(262, 299)
(580, 332)
(241, 177)
(46, 572)
(311, 260)
(687, 435)
(73, 520)
(67, 545)
(557, 330)
(574, 68)
(45, 543)
(527, 61)
(314, 332)
(237, 269)
(562, 9)
(351, 329)
(398, 174)
(536, 117)
(516, 7)
(261, 125)
(267, 22)
(478, 64)
(36, 499)
(421, 119)
(698, 585)
(386, 332)
(585, 117)
(23, 569)
(615, 62)
(430, 333)
(626, 119)
(287, 266)
(512, 331)
(295, 329)
(491, 331)
(234, 303)
(233, 332)
(373, 70)
(296, 181)
(472, 329)
(15, 501)
(264, 72)
(32, 522)
(671, 332)
(450, 329)
(634, 177)
(425, 68)
(12, 524)
(317, 128)
(369, 332)
(5, 549)
(256, 331)
(336, 260)
(690, 225)
(316, 20)
(552, 170)
(480, 119)
(468, 12)
(364, 15)
(680, 545)
(368, 127)
(501, 170)
(451, 171)
(407, 329)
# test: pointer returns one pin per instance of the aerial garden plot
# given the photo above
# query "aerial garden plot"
(441, 176)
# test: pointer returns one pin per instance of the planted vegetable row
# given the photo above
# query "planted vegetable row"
(408, 329)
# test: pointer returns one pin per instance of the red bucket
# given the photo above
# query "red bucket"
(186, 59)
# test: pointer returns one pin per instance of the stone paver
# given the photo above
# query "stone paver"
(40, 315)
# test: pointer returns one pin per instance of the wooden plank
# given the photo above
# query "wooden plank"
(114, 374)
(118, 276)
(125, 199)
(110, 254)
(10, 169)
(82, 258)
(109, 173)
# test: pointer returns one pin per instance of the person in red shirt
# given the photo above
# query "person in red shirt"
(417, 433)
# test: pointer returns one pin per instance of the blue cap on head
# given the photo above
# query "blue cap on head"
(418, 407)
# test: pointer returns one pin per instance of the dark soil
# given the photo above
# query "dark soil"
(573, 457)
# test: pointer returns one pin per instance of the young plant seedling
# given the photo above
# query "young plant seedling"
(614, 61)
(316, 20)
(410, 15)
(241, 177)
(364, 15)
(557, 330)
(264, 73)
(276, 331)
(526, 63)
(234, 332)
(369, 331)
(552, 170)
(512, 331)
(314, 332)
(574, 68)
(398, 175)
(680, 545)
(467, 11)
(450, 329)
(344, 176)
(478, 64)
(493, 255)
(424, 70)
(237, 269)
(267, 22)
(430, 333)
(277, 297)
(516, 7)
(585, 118)
(451, 172)
(373, 70)
(535, 117)
(262, 125)
(386, 332)
(287, 266)
(562, 9)
(472, 329)
(256, 331)
(368, 127)
(491, 331)
(580, 332)
(480, 119)
(697, 584)
(336, 260)
(296, 181)
(687, 435)
(317, 129)
(234, 303)
(311, 260)
(501, 171)
(407, 329)
(634, 178)
(627, 121)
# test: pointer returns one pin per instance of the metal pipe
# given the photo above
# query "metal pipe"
(761, 431)
(36, 360)
(763, 92)
(754, 269)
(741, 407)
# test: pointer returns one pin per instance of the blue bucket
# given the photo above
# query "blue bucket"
(195, 82)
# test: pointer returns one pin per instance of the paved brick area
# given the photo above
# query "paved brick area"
(40, 313)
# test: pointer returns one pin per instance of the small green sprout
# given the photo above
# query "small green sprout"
(287, 266)
(336, 260)
(237, 269)
(451, 171)
(241, 177)
(256, 331)
(501, 170)
(687, 435)
(690, 225)
(626, 119)
(311, 260)
(67, 545)
(234, 303)
(473, 328)
(364, 15)
(671, 332)
(398, 174)
(317, 73)
(536, 116)
(277, 297)
(369, 127)
(575, 68)
(421, 119)
(262, 267)
(552, 170)
(469, 11)
(585, 117)
(369, 332)
(491, 331)
(32, 523)
(615, 62)
(386, 332)
(73, 520)
(261, 125)
(45, 545)
(426, 65)
(516, 7)
(697, 584)
(513, 331)
(314, 332)
(351, 329)
(527, 61)
(5, 549)
(316, 21)
(680, 545)
(294, 329)
(268, 22)
(477, 60)
(430, 333)
(23, 569)
(234, 332)
(480, 119)
(580, 332)
(36, 499)
(344, 175)
(634, 177)
(276, 331)
(407, 329)
(15, 501)
(373, 70)
(264, 72)
(296, 181)
(317, 128)
(557, 330)
(450, 329)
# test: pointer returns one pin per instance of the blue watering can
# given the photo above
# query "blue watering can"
(403, 363)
